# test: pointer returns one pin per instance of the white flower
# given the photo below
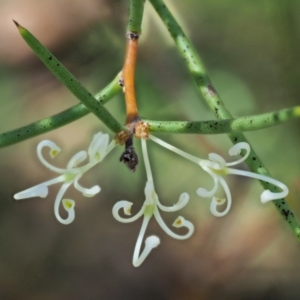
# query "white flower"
(151, 208)
(98, 149)
(216, 166)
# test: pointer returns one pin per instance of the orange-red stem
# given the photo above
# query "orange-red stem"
(128, 76)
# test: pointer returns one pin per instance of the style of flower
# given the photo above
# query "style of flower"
(97, 150)
(151, 208)
(216, 167)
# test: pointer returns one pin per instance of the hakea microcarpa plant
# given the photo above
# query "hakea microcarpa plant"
(215, 166)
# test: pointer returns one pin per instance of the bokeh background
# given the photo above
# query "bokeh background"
(251, 49)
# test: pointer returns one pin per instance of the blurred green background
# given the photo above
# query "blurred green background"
(251, 49)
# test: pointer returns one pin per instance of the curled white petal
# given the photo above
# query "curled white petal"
(87, 192)
(236, 150)
(168, 231)
(58, 199)
(183, 201)
(76, 160)
(91, 192)
(53, 149)
(126, 206)
(218, 201)
(266, 195)
(69, 205)
(182, 222)
(40, 190)
(206, 193)
(150, 243)
(215, 202)
(216, 158)
(98, 146)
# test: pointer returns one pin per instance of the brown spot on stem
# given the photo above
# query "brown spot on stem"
(122, 136)
(133, 36)
(142, 130)
(211, 90)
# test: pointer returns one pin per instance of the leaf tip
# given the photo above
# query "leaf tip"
(20, 28)
(16, 23)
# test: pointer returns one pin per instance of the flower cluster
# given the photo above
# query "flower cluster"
(98, 149)
(215, 166)
(151, 208)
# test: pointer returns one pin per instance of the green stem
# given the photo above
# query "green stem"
(243, 124)
(206, 88)
(67, 79)
(201, 127)
(63, 118)
(136, 10)
(193, 62)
